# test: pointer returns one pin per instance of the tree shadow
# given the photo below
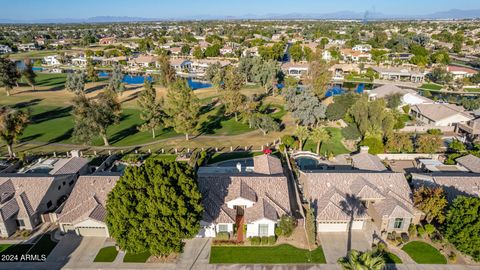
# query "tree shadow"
(30, 138)
(352, 206)
(122, 134)
(213, 122)
(95, 88)
(29, 103)
(52, 114)
(65, 136)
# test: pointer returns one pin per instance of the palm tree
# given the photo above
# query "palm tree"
(320, 135)
(302, 133)
(352, 206)
(12, 123)
(356, 260)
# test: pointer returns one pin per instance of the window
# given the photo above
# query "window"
(20, 222)
(49, 203)
(223, 228)
(262, 229)
(398, 223)
(59, 187)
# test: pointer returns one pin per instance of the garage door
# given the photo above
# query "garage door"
(206, 232)
(92, 231)
(338, 226)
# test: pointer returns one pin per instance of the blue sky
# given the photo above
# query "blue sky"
(53, 9)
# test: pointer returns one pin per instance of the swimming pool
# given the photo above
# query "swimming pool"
(310, 163)
(337, 90)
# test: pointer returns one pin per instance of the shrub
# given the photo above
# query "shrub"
(285, 226)
(405, 237)
(406, 109)
(429, 229)
(201, 158)
(375, 145)
(351, 132)
(452, 257)
(255, 240)
(281, 147)
(434, 131)
(412, 230)
(382, 247)
(420, 230)
(436, 237)
(310, 226)
(398, 240)
(288, 140)
(272, 240)
(264, 240)
(222, 236)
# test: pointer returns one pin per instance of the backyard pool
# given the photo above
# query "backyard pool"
(310, 163)
(338, 90)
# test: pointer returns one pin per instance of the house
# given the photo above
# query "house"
(82, 61)
(107, 41)
(26, 196)
(143, 61)
(339, 71)
(355, 56)
(200, 66)
(362, 48)
(453, 183)
(461, 72)
(382, 200)
(27, 47)
(400, 56)
(181, 65)
(408, 96)
(51, 60)
(85, 209)
(470, 129)
(295, 69)
(252, 197)
(440, 114)
(469, 162)
(367, 162)
(399, 74)
(4, 49)
(327, 56)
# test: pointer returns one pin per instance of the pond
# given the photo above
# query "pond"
(139, 79)
(338, 90)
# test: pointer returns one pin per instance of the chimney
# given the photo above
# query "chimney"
(364, 149)
(239, 167)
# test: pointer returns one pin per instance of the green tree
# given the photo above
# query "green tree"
(374, 143)
(372, 118)
(93, 117)
(182, 108)
(167, 72)
(154, 207)
(232, 98)
(265, 123)
(457, 146)
(92, 74)
(319, 135)
(75, 82)
(186, 49)
(9, 75)
(306, 108)
(302, 133)
(340, 106)
(198, 53)
(285, 226)
(152, 112)
(266, 73)
(115, 84)
(12, 124)
(399, 143)
(432, 202)
(462, 225)
(28, 73)
(318, 76)
(357, 260)
(394, 101)
(296, 52)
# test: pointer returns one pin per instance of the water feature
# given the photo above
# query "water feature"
(198, 84)
(338, 90)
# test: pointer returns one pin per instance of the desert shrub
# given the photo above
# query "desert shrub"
(272, 240)
(255, 240)
(222, 236)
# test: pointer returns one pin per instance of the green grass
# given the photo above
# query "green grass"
(334, 145)
(136, 258)
(472, 89)
(424, 253)
(431, 86)
(4, 247)
(219, 157)
(391, 258)
(106, 254)
(51, 80)
(282, 254)
(33, 54)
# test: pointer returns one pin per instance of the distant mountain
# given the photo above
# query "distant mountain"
(340, 15)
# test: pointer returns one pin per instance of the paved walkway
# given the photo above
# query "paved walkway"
(334, 244)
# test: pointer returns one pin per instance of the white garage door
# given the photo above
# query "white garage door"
(338, 226)
(206, 232)
(92, 231)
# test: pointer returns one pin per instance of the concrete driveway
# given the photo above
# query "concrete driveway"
(196, 254)
(335, 244)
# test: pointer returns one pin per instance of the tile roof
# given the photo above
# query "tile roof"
(471, 162)
(438, 112)
(68, 165)
(88, 198)
(366, 161)
(267, 164)
(329, 191)
(389, 89)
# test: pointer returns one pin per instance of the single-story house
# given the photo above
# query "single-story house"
(469, 162)
(470, 129)
(399, 74)
(453, 183)
(107, 41)
(366, 161)
(143, 61)
(295, 69)
(26, 195)
(408, 96)
(440, 114)
(84, 211)
(355, 56)
(52, 60)
(382, 199)
(461, 72)
(181, 65)
(5, 49)
(362, 48)
(251, 197)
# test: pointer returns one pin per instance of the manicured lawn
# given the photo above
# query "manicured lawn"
(106, 254)
(269, 255)
(43, 246)
(4, 247)
(472, 89)
(392, 258)
(334, 145)
(16, 249)
(431, 86)
(136, 258)
(218, 157)
(424, 253)
(52, 80)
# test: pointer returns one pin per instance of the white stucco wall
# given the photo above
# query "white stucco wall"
(240, 202)
(252, 228)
